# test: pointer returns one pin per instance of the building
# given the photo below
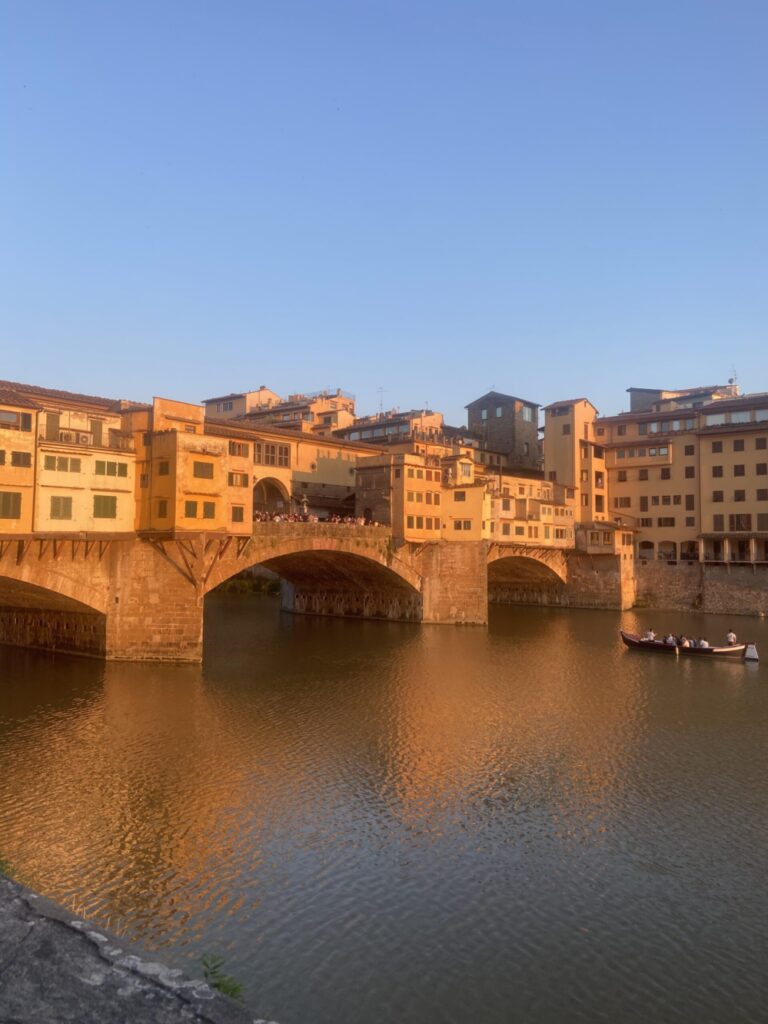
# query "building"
(507, 424)
(67, 465)
(241, 403)
(318, 412)
(689, 471)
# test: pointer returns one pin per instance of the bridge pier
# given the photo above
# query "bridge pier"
(455, 587)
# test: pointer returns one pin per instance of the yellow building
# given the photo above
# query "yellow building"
(79, 463)
(689, 471)
(18, 434)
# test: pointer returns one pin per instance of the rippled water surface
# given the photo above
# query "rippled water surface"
(382, 822)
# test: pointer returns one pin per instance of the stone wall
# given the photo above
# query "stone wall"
(593, 581)
(719, 589)
(455, 587)
(155, 612)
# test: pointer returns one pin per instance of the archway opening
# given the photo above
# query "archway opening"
(517, 579)
(329, 582)
(270, 497)
(33, 616)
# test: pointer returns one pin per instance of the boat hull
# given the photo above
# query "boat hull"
(636, 643)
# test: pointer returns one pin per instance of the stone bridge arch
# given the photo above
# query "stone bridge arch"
(47, 599)
(328, 569)
(526, 574)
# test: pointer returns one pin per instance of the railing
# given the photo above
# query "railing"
(115, 440)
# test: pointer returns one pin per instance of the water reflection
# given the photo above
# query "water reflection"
(386, 822)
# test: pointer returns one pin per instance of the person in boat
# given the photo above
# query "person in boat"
(703, 642)
(684, 641)
(730, 638)
(671, 640)
(649, 634)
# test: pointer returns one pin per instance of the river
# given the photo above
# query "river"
(399, 824)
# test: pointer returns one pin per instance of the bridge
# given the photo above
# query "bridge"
(142, 597)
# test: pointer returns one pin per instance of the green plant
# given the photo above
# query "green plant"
(216, 978)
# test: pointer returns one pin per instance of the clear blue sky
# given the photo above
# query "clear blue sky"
(551, 198)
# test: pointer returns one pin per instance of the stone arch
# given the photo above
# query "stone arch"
(56, 591)
(32, 615)
(270, 495)
(527, 564)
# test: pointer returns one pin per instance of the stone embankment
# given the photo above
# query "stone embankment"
(61, 970)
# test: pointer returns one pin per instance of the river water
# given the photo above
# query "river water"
(381, 822)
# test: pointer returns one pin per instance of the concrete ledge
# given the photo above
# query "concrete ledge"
(57, 969)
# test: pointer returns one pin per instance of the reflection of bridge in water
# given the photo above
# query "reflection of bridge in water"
(142, 597)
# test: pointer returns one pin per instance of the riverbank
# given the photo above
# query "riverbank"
(56, 967)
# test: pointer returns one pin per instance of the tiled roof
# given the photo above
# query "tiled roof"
(10, 397)
(35, 391)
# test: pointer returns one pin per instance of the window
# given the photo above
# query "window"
(527, 413)
(189, 429)
(22, 459)
(762, 521)
(498, 412)
(739, 495)
(741, 521)
(566, 428)
(646, 522)
(690, 472)
(599, 503)
(642, 474)
(717, 446)
(761, 443)
(666, 521)
(61, 508)
(666, 499)
(621, 430)
(162, 508)
(762, 494)
(644, 503)
(163, 468)
(666, 473)
(718, 523)
(738, 445)
(437, 498)
(642, 428)
(599, 480)
(409, 522)
(717, 495)
(190, 510)
(419, 522)
(717, 471)
(690, 502)
(690, 520)
(61, 464)
(227, 406)
(459, 495)
(689, 449)
(738, 470)
(10, 505)
(103, 468)
(209, 510)
(203, 470)
(144, 480)
(466, 469)
(237, 479)
(622, 476)
(519, 531)
(654, 499)
(15, 420)
(761, 468)
(239, 448)
(622, 502)
(104, 506)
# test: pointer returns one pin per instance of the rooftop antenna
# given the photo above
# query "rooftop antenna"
(380, 389)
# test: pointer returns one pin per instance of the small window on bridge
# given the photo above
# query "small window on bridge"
(238, 513)
(203, 470)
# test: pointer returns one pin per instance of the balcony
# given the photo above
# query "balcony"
(115, 441)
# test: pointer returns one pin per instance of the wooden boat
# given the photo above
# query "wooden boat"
(735, 652)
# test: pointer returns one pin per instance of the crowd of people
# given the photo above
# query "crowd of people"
(684, 641)
(309, 517)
